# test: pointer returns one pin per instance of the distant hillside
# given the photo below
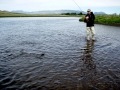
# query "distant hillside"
(20, 14)
(47, 11)
(54, 12)
(99, 13)
(7, 13)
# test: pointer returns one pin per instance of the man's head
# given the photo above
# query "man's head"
(88, 11)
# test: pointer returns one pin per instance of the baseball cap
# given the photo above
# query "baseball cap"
(88, 10)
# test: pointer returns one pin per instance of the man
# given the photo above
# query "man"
(89, 19)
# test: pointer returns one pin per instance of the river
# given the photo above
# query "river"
(43, 53)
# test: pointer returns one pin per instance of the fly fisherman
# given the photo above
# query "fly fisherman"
(89, 20)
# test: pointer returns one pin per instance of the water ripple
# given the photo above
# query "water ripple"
(52, 53)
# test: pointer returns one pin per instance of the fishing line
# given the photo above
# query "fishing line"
(77, 5)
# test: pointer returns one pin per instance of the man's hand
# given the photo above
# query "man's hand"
(87, 18)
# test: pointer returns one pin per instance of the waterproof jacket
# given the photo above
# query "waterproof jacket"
(90, 21)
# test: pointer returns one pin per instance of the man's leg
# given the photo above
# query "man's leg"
(88, 33)
(93, 32)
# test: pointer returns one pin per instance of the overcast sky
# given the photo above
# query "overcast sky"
(108, 6)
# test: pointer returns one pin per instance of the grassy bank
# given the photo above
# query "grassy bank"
(105, 19)
(10, 14)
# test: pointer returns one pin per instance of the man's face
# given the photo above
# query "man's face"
(88, 12)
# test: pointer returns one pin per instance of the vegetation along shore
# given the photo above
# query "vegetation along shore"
(11, 14)
(113, 20)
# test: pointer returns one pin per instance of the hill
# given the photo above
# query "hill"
(54, 12)
(7, 13)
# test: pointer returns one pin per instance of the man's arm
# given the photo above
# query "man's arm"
(86, 19)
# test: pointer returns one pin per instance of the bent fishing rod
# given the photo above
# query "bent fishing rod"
(77, 5)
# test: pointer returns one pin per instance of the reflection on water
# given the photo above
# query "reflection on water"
(88, 69)
(88, 55)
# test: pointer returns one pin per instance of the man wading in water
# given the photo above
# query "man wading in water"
(89, 20)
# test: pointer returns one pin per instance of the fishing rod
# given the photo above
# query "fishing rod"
(77, 5)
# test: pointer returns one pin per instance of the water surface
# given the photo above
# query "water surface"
(42, 53)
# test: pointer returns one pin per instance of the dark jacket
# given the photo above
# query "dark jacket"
(90, 21)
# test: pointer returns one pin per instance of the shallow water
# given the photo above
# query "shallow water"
(52, 53)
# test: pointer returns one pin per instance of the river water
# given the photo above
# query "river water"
(43, 53)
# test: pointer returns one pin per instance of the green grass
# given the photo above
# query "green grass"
(106, 19)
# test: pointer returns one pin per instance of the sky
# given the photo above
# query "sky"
(107, 6)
